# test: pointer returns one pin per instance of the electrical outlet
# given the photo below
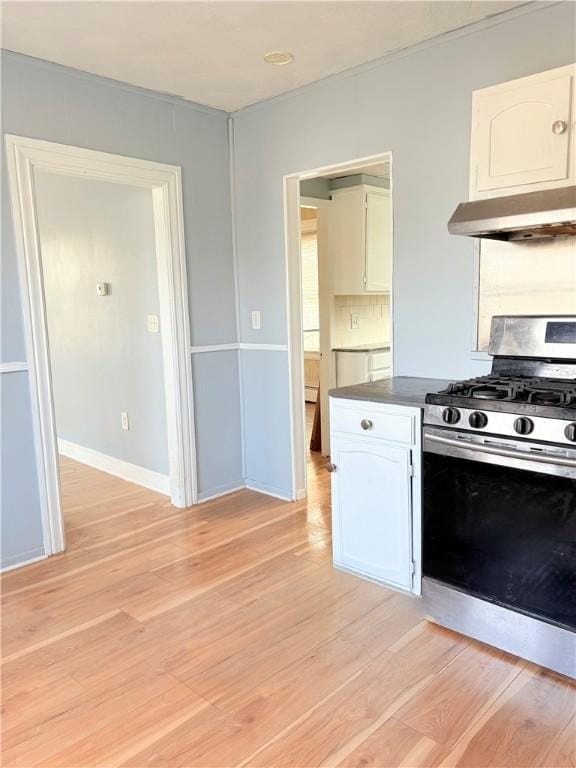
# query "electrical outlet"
(153, 324)
(256, 320)
(354, 321)
(124, 420)
(102, 289)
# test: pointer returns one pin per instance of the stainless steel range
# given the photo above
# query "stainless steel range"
(499, 490)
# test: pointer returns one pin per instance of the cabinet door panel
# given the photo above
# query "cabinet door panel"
(347, 218)
(378, 241)
(371, 509)
(516, 143)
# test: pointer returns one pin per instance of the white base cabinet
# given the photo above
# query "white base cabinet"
(360, 367)
(375, 455)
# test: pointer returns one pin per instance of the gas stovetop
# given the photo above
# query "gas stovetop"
(531, 395)
(531, 391)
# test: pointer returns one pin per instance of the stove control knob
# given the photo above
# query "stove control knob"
(478, 420)
(450, 415)
(570, 432)
(523, 425)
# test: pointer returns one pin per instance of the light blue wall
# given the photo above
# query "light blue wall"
(418, 105)
(103, 359)
(54, 103)
(21, 526)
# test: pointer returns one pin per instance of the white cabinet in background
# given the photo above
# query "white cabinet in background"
(361, 238)
(523, 134)
(375, 462)
(360, 367)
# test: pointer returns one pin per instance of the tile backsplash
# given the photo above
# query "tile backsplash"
(373, 313)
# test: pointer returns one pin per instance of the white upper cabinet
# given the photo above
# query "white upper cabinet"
(523, 135)
(361, 240)
(347, 241)
(378, 241)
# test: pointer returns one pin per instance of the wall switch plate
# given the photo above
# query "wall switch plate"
(153, 324)
(124, 419)
(256, 320)
(354, 321)
(102, 289)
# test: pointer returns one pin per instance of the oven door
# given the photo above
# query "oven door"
(499, 521)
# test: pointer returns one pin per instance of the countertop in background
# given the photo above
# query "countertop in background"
(374, 347)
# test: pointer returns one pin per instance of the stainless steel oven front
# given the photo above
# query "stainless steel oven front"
(499, 521)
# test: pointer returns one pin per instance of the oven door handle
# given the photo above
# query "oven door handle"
(564, 461)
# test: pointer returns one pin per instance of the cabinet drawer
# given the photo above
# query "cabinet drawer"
(382, 373)
(378, 422)
(377, 360)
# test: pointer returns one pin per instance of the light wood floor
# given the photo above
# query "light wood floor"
(221, 636)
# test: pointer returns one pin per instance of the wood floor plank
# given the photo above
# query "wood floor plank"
(522, 726)
(562, 753)
(333, 730)
(453, 698)
(220, 636)
(391, 745)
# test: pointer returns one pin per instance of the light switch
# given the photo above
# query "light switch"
(354, 321)
(153, 324)
(256, 321)
(124, 420)
(102, 289)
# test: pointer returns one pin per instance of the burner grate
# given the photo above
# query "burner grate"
(517, 389)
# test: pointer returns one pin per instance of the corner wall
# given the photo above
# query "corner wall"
(54, 103)
(416, 103)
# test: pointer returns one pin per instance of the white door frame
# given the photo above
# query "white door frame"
(327, 375)
(292, 204)
(23, 156)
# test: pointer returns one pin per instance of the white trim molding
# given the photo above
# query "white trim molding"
(238, 345)
(13, 367)
(117, 467)
(264, 347)
(269, 490)
(295, 348)
(33, 556)
(213, 348)
(24, 155)
(219, 491)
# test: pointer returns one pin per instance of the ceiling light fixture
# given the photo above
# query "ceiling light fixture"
(279, 58)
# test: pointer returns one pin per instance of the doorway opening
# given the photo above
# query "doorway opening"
(339, 234)
(103, 279)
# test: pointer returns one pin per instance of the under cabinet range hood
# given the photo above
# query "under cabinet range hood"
(530, 216)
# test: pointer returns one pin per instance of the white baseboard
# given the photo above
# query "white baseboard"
(117, 467)
(250, 485)
(269, 490)
(221, 490)
(16, 561)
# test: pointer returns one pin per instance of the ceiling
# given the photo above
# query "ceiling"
(211, 52)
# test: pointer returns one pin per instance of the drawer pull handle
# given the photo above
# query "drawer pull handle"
(330, 467)
(366, 424)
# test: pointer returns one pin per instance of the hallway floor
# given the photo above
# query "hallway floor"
(222, 636)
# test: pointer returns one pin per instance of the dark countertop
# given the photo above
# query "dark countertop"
(401, 390)
(374, 347)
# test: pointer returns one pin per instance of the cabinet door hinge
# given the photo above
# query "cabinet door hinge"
(412, 567)
(411, 470)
